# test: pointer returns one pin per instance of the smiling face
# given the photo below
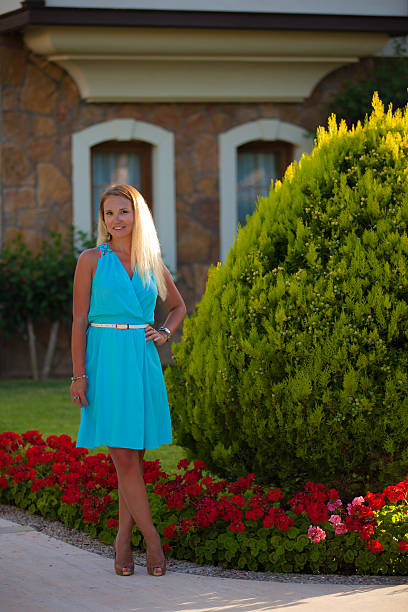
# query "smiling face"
(119, 216)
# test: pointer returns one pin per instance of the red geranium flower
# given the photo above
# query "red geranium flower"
(255, 514)
(366, 531)
(71, 496)
(191, 477)
(10, 440)
(333, 494)
(52, 441)
(274, 494)
(375, 501)
(374, 547)
(317, 512)
(183, 464)
(239, 500)
(363, 511)
(277, 517)
(193, 490)
(37, 484)
(59, 468)
(33, 437)
(216, 487)
(317, 491)
(112, 524)
(169, 532)
(396, 493)
(176, 501)
(242, 484)
(237, 526)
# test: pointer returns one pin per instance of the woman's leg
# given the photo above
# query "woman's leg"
(133, 500)
(126, 523)
(124, 534)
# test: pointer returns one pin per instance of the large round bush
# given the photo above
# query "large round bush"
(294, 365)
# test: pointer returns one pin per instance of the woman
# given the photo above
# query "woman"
(117, 375)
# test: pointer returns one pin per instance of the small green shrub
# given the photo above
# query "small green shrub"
(38, 287)
(295, 364)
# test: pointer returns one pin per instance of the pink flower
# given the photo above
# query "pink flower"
(315, 534)
(335, 519)
(333, 505)
(357, 501)
(340, 528)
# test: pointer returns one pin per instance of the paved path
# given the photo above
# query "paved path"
(41, 574)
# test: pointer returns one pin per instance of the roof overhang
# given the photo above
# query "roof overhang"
(191, 56)
(37, 14)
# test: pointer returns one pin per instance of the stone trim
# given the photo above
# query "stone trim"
(228, 142)
(162, 142)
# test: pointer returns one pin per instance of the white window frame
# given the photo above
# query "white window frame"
(163, 181)
(228, 142)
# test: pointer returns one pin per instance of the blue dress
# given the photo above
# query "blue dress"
(127, 397)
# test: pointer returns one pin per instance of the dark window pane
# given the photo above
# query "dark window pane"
(113, 167)
(255, 172)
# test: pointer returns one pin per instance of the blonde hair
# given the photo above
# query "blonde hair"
(145, 248)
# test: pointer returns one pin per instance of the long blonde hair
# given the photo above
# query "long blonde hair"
(145, 248)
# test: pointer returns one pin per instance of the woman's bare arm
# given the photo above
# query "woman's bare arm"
(84, 272)
(177, 311)
(174, 304)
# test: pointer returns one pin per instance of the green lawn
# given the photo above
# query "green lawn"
(46, 406)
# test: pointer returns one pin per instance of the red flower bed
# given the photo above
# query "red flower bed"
(216, 520)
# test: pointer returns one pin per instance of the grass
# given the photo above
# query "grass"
(46, 406)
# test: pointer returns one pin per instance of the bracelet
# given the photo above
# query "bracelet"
(166, 331)
(74, 378)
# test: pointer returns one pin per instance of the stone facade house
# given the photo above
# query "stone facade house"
(199, 104)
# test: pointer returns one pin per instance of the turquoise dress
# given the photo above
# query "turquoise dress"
(127, 397)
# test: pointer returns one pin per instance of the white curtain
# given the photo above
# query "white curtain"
(255, 172)
(112, 168)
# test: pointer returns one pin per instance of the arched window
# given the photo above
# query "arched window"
(250, 155)
(114, 162)
(259, 162)
(128, 137)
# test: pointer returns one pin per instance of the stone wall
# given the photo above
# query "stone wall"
(38, 103)
(41, 109)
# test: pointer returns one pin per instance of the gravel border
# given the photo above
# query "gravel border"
(83, 540)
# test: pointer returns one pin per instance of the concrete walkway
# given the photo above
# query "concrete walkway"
(41, 574)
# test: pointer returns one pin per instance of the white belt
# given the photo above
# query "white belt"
(119, 325)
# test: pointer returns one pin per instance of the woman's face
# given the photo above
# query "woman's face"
(118, 216)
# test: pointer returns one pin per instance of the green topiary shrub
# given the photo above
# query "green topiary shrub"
(294, 366)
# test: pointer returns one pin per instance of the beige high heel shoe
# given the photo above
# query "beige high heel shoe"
(127, 570)
(156, 569)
